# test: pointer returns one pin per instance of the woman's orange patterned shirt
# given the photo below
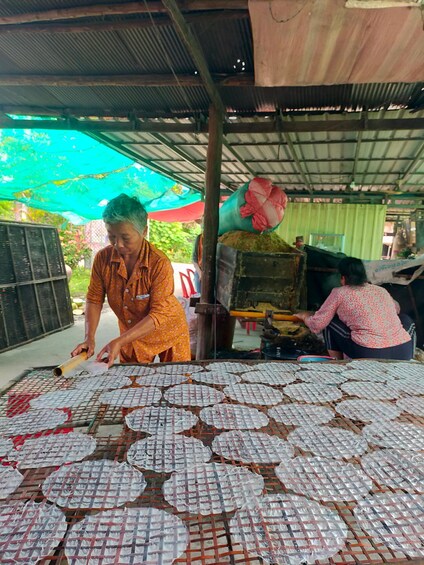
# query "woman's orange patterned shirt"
(148, 292)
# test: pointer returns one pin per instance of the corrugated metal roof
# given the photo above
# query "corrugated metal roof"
(326, 159)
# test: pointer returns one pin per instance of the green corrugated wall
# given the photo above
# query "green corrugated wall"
(362, 225)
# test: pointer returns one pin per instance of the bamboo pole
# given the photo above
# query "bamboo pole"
(70, 365)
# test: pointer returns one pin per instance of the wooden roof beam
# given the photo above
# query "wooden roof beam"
(157, 20)
(242, 128)
(146, 80)
(195, 51)
(356, 158)
(118, 9)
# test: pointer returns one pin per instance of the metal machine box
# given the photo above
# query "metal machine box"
(245, 278)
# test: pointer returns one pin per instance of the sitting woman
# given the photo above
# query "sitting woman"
(362, 320)
(138, 281)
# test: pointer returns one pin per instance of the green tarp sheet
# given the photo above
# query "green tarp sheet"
(71, 174)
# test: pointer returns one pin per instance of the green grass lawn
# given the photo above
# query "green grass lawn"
(78, 284)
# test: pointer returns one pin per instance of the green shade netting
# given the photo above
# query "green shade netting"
(71, 174)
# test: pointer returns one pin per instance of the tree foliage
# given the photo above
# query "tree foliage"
(175, 239)
(74, 245)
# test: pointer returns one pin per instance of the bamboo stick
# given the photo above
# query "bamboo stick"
(70, 364)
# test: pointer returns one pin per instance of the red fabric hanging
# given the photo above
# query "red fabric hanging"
(185, 214)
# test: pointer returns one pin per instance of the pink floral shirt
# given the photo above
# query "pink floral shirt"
(370, 313)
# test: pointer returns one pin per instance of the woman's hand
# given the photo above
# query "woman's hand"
(109, 352)
(88, 345)
(302, 316)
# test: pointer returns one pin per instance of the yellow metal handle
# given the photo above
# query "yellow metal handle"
(261, 316)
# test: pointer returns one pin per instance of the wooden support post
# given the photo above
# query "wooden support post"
(210, 229)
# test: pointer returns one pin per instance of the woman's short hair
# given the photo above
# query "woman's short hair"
(353, 271)
(125, 208)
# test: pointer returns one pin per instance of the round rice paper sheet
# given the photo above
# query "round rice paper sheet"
(230, 366)
(412, 404)
(10, 479)
(193, 395)
(258, 394)
(410, 386)
(251, 447)
(32, 422)
(161, 380)
(324, 479)
(131, 371)
(313, 393)
(395, 435)
(271, 378)
(30, 531)
(53, 450)
(369, 374)
(161, 420)
(301, 414)
(373, 391)
(132, 397)
(326, 441)
(127, 536)
(6, 446)
(322, 378)
(368, 364)
(277, 367)
(212, 488)
(234, 417)
(217, 378)
(102, 383)
(364, 410)
(406, 370)
(69, 398)
(395, 520)
(165, 454)
(396, 469)
(288, 529)
(94, 484)
(186, 369)
(325, 367)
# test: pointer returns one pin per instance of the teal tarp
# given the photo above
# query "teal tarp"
(71, 174)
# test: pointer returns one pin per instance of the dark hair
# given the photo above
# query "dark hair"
(123, 208)
(353, 270)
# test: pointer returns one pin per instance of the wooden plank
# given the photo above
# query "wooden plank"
(210, 229)
(146, 80)
(237, 128)
(195, 50)
(118, 9)
(309, 126)
(155, 20)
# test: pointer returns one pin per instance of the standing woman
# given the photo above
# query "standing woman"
(138, 281)
(362, 320)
